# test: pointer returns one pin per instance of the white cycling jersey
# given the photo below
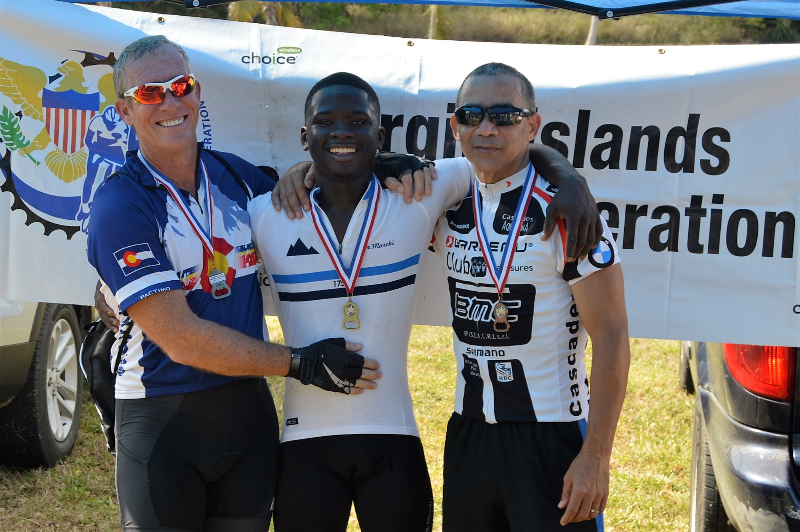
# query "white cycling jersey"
(535, 370)
(309, 297)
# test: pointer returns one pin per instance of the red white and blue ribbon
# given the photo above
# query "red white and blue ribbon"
(500, 273)
(205, 237)
(348, 275)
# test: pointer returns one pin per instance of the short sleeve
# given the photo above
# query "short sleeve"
(602, 256)
(125, 244)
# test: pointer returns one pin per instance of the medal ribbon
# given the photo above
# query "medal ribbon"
(205, 238)
(500, 274)
(348, 275)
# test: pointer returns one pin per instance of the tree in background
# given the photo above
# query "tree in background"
(272, 13)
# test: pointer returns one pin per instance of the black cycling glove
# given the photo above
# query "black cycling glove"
(327, 365)
(388, 164)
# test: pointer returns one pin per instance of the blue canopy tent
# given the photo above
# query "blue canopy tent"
(603, 9)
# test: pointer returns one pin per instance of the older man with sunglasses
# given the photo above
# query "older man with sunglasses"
(196, 427)
(519, 453)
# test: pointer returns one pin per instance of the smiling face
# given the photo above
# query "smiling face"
(167, 127)
(342, 133)
(497, 152)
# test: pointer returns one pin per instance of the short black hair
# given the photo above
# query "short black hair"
(350, 80)
(498, 69)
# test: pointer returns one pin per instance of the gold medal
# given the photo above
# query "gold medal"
(501, 324)
(350, 311)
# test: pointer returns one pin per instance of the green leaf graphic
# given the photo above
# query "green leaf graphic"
(12, 134)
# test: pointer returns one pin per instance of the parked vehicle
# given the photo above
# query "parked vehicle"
(746, 439)
(41, 387)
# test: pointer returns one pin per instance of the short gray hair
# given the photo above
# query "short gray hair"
(498, 69)
(135, 51)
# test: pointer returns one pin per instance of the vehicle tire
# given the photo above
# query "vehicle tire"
(684, 372)
(39, 427)
(706, 512)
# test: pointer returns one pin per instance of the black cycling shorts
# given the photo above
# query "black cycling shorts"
(501, 477)
(384, 475)
(204, 460)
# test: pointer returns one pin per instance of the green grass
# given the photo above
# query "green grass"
(650, 465)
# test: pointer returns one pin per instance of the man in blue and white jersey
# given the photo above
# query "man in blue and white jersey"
(170, 237)
(523, 449)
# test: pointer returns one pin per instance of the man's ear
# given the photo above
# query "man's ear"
(123, 110)
(454, 127)
(197, 89)
(381, 137)
(304, 138)
(534, 123)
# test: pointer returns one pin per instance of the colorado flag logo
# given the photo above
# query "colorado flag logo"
(134, 257)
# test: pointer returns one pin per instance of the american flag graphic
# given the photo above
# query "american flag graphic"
(67, 117)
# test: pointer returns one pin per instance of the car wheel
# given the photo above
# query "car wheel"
(39, 427)
(684, 372)
(706, 512)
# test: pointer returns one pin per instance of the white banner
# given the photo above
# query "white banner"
(690, 150)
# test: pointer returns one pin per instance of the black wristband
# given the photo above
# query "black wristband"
(294, 367)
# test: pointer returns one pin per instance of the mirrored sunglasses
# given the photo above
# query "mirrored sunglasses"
(499, 115)
(153, 93)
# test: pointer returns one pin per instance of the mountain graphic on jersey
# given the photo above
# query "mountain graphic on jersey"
(473, 319)
(299, 248)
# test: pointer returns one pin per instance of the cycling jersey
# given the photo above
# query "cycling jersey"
(534, 370)
(309, 296)
(141, 242)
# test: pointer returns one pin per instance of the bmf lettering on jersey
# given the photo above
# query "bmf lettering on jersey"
(472, 305)
(573, 326)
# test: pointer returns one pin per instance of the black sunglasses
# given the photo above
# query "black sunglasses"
(499, 115)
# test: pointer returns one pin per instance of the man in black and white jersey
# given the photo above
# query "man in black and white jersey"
(523, 450)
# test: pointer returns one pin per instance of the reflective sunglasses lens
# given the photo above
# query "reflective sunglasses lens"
(183, 86)
(149, 94)
(469, 116)
(505, 116)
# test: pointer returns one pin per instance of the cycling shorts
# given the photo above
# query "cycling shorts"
(204, 460)
(503, 477)
(384, 475)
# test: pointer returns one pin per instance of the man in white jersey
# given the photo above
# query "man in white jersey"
(523, 449)
(351, 266)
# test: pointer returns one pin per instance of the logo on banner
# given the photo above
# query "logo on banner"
(284, 55)
(133, 258)
(60, 137)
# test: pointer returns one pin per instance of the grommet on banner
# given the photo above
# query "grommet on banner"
(161, 20)
(662, 51)
(195, 3)
(410, 43)
(610, 14)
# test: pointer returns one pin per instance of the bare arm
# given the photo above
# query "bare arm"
(573, 202)
(187, 339)
(601, 304)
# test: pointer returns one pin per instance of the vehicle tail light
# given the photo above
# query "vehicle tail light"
(764, 370)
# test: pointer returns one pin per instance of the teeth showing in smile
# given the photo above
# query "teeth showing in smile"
(172, 123)
(343, 151)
